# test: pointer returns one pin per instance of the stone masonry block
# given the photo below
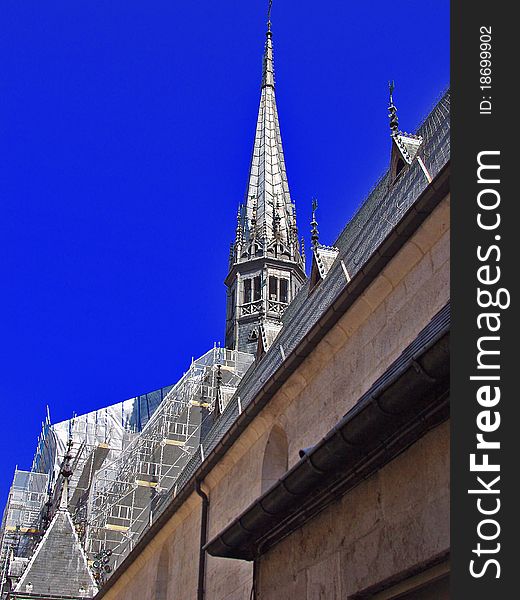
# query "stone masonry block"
(402, 263)
(434, 227)
(377, 291)
(355, 316)
(440, 252)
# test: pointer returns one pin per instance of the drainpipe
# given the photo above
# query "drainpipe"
(203, 539)
(254, 589)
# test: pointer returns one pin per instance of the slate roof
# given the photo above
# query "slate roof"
(58, 567)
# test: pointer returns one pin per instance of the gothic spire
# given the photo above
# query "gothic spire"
(267, 266)
(268, 215)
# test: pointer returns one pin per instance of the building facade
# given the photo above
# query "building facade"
(309, 457)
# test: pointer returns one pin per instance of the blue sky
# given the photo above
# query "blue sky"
(125, 137)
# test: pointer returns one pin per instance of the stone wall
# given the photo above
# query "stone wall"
(180, 538)
(396, 519)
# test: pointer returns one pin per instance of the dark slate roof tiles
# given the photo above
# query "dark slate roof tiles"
(59, 565)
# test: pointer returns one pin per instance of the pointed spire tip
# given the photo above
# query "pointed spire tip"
(269, 9)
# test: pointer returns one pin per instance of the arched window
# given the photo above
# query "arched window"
(163, 574)
(275, 462)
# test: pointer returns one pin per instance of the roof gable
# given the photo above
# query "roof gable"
(268, 331)
(323, 258)
(59, 565)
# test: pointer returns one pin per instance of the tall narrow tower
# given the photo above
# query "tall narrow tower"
(266, 262)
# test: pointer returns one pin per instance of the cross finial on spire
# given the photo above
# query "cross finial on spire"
(392, 110)
(314, 224)
(268, 70)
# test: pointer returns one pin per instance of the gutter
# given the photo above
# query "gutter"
(395, 240)
(402, 405)
(31, 596)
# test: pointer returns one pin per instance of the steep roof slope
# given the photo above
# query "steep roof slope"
(59, 565)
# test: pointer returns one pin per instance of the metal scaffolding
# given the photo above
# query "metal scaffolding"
(21, 524)
(125, 491)
(34, 495)
(125, 459)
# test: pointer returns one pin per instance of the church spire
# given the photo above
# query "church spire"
(268, 221)
(267, 263)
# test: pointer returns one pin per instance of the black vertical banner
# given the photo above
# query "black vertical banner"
(485, 394)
